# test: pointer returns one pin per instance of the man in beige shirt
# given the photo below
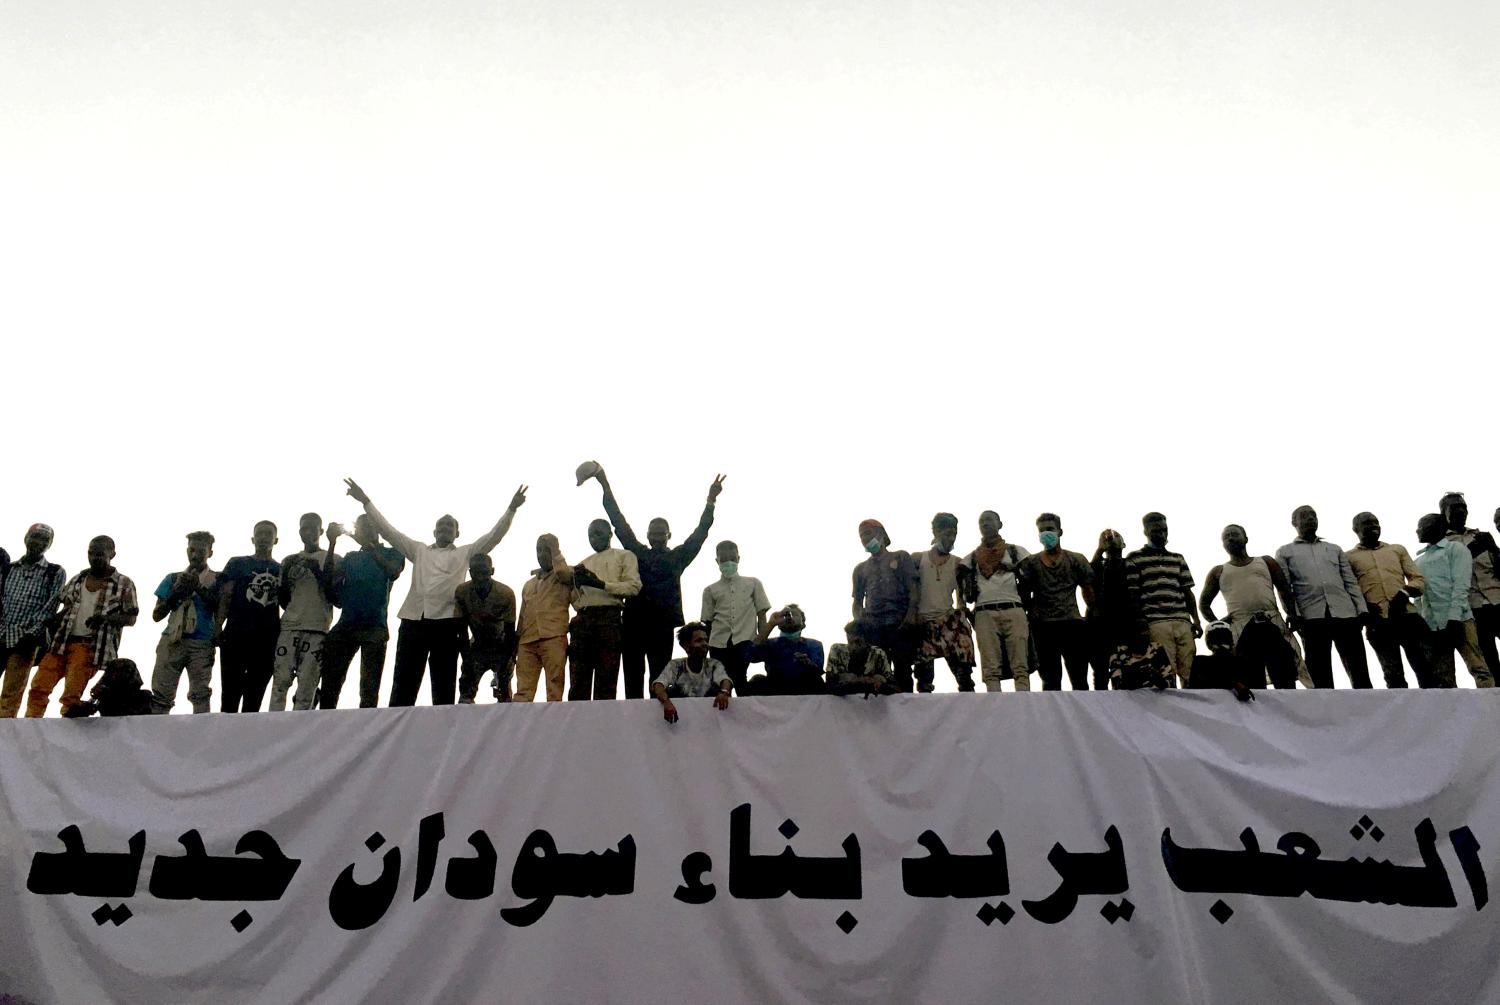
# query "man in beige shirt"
(601, 583)
(1389, 579)
(543, 628)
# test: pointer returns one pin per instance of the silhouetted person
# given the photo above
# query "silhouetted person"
(29, 594)
(1484, 592)
(93, 608)
(249, 622)
(542, 634)
(857, 667)
(1259, 635)
(734, 609)
(697, 675)
(794, 664)
(1049, 583)
(1447, 570)
(430, 628)
(1108, 619)
(488, 611)
(307, 597)
(885, 601)
(1223, 668)
(362, 588)
(1329, 604)
(187, 602)
(601, 583)
(942, 620)
(1389, 579)
(1000, 625)
(653, 613)
(119, 692)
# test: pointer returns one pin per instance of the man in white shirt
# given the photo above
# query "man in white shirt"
(430, 628)
(734, 608)
(999, 620)
(601, 583)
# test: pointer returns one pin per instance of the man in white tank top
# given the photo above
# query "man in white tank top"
(1250, 587)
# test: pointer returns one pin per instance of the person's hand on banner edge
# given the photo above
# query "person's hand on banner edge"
(669, 711)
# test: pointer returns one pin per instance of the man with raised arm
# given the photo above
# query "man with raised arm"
(601, 584)
(1390, 580)
(93, 608)
(30, 593)
(1259, 636)
(652, 614)
(363, 588)
(1329, 605)
(248, 622)
(186, 601)
(430, 626)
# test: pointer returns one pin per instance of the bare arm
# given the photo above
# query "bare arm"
(1283, 586)
(1211, 592)
(487, 541)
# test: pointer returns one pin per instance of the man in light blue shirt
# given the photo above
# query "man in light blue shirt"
(1448, 572)
(1329, 602)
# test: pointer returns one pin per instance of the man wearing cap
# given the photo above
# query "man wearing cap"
(30, 588)
(94, 608)
(885, 601)
(430, 627)
(653, 613)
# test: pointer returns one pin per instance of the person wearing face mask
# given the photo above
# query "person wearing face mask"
(1329, 604)
(885, 601)
(601, 583)
(430, 627)
(1050, 581)
(794, 664)
(734, 608)
(944, 630)
(1160, 588)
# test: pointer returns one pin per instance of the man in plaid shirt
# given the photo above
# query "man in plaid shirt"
(30, 592)
(97, 605)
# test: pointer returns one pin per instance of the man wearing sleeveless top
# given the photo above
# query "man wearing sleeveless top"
(999, 620)
(1389, 579)
(944, 628)
(1260, 636)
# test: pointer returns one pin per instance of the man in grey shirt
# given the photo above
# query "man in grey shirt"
(1329, 603)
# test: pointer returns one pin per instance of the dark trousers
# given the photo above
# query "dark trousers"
(418, 642)
(1487, 626)
(245, 664)
(1264, 652)
(477, 663)
(594, 638)
(1319, 634)
(1389, 637)
(338, 652)
(898, 642)
(1059, 642)
(646, 644)
(736, 660)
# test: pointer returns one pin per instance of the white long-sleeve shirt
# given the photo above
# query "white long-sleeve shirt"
(436, 572)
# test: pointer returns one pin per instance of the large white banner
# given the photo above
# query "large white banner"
(1320, 847)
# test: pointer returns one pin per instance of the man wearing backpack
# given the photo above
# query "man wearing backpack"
(989, 583)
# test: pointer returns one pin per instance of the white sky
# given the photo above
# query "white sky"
(870, 260)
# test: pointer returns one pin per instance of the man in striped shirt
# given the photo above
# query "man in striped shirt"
(1160, 589)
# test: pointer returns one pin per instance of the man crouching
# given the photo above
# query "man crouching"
(696, 675)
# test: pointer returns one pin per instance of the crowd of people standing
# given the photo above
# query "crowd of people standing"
(1003, 610)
